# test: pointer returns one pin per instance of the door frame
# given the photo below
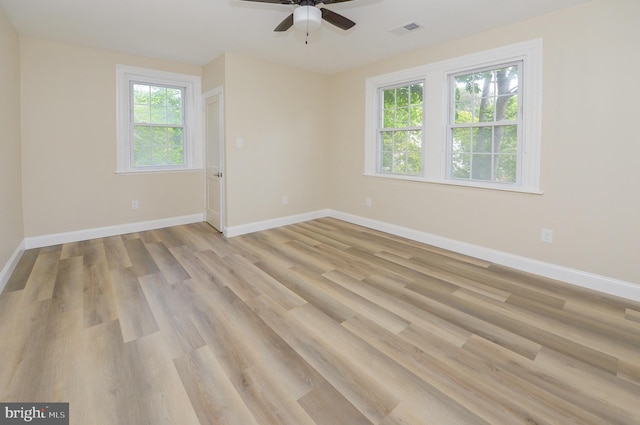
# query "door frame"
(218, 91)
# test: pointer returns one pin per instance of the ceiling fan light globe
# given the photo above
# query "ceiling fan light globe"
(307, 18)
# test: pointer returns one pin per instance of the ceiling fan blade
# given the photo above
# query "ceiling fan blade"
(337, 19)
(332, 1)
(285, 25)
(274, 1)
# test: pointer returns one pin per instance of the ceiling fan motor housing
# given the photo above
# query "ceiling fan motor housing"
(307, 18)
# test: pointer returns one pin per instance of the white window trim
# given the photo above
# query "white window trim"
(193, 117)
(436, 114)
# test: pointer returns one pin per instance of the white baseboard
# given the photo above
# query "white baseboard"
(257, 226)
(103, 232)
(6, 271)
(599, 283)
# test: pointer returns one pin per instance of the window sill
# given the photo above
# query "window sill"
(471, 184)
(159, 171)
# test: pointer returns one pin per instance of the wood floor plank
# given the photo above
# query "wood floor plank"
(98, 302)
(431, 358)
(305, 286)
(169, 266)
(335, 368)
(115, 371)
(452, 278)
(328, 407)
(68, 290)
(134, 313)
(362, 305)
(117, 256)
(39, 286)
(547, 380)
(389, 379)
(142, 261)
(215, 400)
(167, 303)
(320, 322)
(20, 275)
(450, 308)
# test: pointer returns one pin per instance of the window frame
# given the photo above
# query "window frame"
(126, 76)
(437, 109)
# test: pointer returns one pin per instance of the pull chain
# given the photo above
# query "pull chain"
(306, 40)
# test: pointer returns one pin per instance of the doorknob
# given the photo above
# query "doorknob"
(219, 174)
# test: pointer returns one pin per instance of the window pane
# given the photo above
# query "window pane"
(464, 105)
(461, 166)
(399, 141)
(141, 114)
(481, 139)
(506, 168)
(402, 96)
(414, 152)
(387, 162)
(461, 140)
(481, 167)
(505, 139)
(389, 99)
(140, 94)
(176, 146)
(158, 114)
(402, 118)
(174, 106)
(416, 116)
(387, 141)
(389, 118)
(415, 91)
(141, 146)
(400, 162)
(512, 107)
(158, 146)
(158, 105)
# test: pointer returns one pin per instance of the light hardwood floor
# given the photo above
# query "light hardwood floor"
(322, 322)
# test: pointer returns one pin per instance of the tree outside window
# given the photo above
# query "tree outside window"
(400, 135)
(157, 126)
(484, 137)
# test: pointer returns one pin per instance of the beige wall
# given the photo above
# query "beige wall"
(590, 149)
(11, 226)
(213, 74)
(279, 112)
(69, 144)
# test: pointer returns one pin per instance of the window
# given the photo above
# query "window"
(400, 135)
(471, 121)
(158, 124)
(484, 137)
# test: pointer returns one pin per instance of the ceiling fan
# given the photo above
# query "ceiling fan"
(308, 15)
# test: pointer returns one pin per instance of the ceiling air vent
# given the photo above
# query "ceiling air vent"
(406, 29)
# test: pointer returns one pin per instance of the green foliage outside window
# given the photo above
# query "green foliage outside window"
(484, 130)
(401, 135)
(158, 126)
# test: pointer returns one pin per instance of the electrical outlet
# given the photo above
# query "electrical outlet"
(368, 201)
(285, 200)
(546, 236)
(135, 205)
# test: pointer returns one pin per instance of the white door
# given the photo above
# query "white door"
(214, 159)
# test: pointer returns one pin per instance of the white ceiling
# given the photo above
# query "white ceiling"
(197, 31)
